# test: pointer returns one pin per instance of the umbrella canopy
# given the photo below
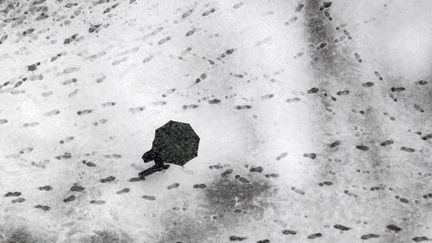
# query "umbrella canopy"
(174, 143)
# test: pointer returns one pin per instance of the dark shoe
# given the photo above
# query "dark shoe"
(134, 179)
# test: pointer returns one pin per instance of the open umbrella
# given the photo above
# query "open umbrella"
(174, 143)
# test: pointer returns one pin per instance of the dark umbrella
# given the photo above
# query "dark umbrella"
(174, 143)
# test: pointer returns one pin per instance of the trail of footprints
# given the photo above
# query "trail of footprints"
(18, 197)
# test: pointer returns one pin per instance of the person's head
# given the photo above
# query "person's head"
(148, 156)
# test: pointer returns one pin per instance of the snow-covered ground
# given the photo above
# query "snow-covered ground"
(314, 120)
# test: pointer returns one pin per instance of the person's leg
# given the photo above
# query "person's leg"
(158, 166)
(153, 169)
(158, 162)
